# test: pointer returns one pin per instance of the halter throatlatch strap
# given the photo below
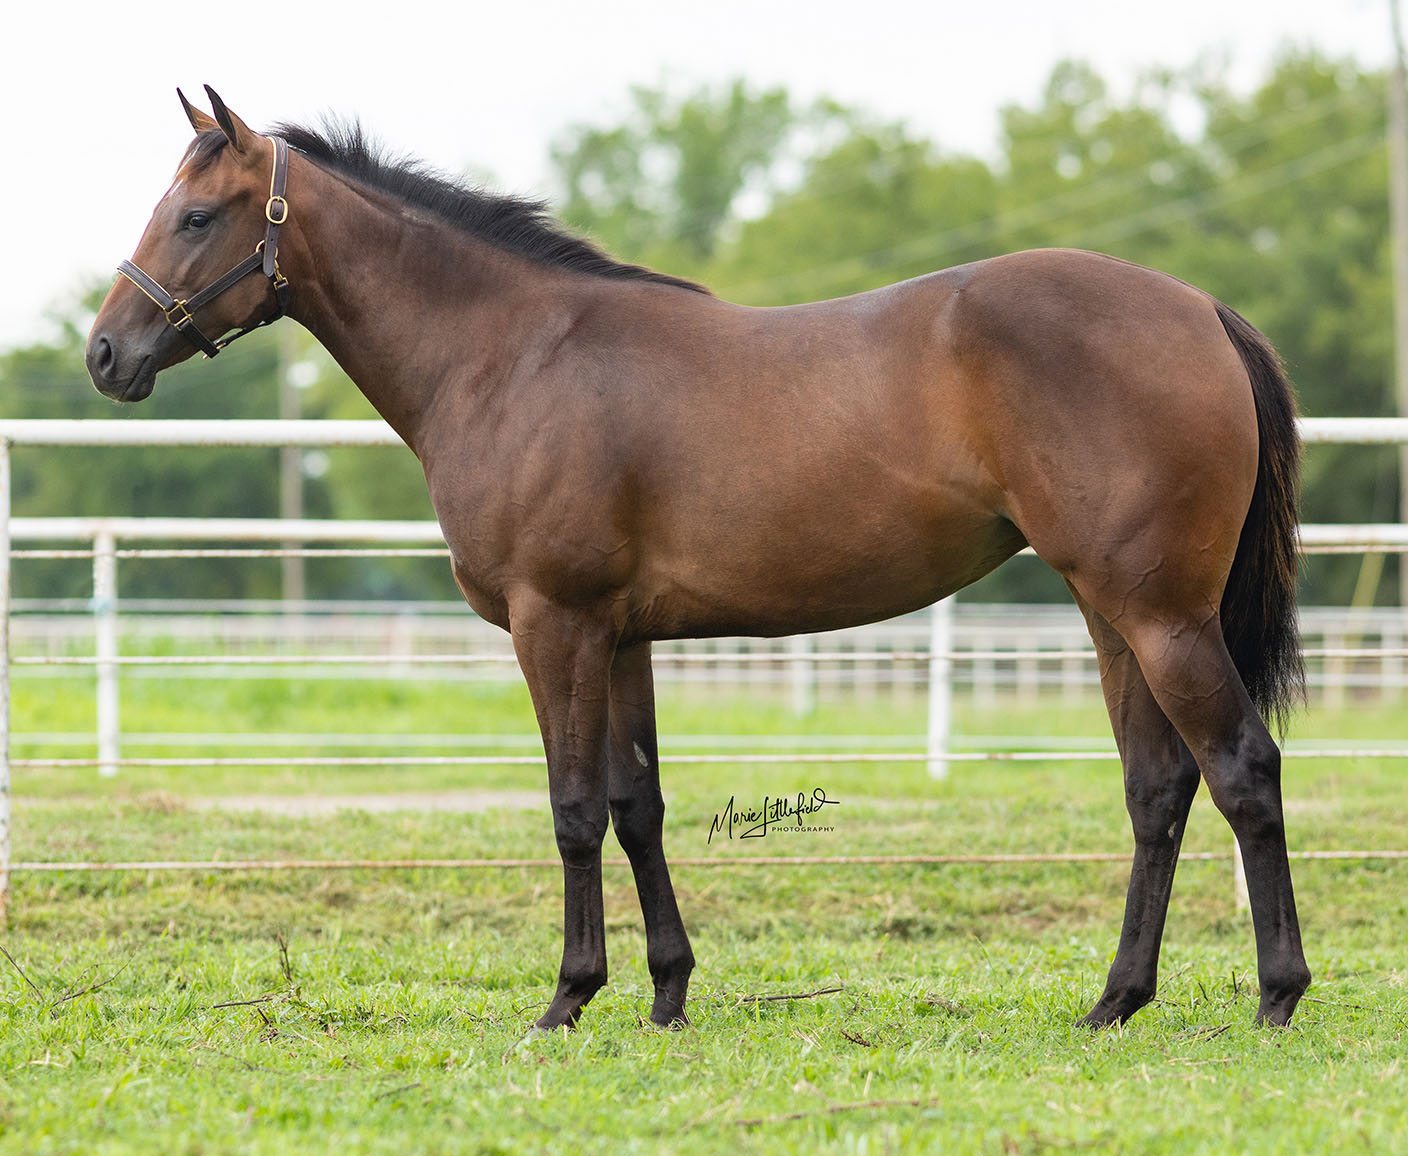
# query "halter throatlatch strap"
(180, 314)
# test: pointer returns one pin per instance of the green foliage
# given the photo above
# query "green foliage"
(863, 216)
(668, 178)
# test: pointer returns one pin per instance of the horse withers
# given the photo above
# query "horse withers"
(617, 456)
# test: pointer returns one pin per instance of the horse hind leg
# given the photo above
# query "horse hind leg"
(1191, 676)
(1160, 780)
(638, 815)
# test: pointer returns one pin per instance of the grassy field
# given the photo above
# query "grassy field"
(344, 1012)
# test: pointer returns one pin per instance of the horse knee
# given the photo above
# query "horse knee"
(1158, 802)
(1157, 825)
(580, 827)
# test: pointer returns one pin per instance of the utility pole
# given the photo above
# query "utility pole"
(1398, 233)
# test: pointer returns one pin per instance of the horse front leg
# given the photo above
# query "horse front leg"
(566, 659)
(638, 815)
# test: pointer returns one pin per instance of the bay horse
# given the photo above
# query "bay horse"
(617, 456)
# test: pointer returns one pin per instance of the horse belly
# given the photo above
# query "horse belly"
(786, 571)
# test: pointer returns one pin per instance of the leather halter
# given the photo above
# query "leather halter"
(180, 314)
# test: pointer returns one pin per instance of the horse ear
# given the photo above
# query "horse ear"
(236, 131)
(201, 122)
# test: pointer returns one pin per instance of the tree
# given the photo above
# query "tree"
(870, 209)
(663, 183)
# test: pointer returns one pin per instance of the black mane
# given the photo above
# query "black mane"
(520, 225)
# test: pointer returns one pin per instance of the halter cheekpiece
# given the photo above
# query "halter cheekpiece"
(180, 314)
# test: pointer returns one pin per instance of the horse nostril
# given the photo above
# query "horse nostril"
(103, 356)
(102, 360)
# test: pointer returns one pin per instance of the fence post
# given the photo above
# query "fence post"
(1392, 668)
(1240, 899)
(985, 673)
(1072, 671)
(105, 631)
(4, 681)
(803, 675)
(940, 686)
(1334, 677)
(1029, 678)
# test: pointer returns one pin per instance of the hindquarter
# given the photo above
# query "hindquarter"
(1120, 421)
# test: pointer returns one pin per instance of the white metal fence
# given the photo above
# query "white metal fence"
(931, 652)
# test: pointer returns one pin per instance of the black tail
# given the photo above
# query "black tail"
(1259, 604)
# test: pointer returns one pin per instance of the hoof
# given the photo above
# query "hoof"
(1278, 1000)
(1115, 1008)
(1277, 1016)
(1111, 1014)
(674, 1023)
(1099, 1022)
(566, 1007)
(671, 991)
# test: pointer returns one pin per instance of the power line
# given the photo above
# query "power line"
(1179, 208)
(1259, 131)
(1253, 184)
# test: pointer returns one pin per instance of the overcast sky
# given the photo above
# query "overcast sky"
(92, 130)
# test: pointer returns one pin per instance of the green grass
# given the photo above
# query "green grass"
(392, 1004)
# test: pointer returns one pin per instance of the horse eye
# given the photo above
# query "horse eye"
(197, 220)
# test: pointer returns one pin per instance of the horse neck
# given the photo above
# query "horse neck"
(408, 306)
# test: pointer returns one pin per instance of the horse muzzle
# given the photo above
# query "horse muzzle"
(117, 375)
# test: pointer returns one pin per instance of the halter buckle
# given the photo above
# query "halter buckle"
(272, 205)
(178, 315)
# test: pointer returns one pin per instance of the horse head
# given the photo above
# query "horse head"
(218, 222)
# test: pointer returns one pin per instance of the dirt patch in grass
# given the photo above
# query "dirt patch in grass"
(444, 801)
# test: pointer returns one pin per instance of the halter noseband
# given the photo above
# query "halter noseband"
(180, 314)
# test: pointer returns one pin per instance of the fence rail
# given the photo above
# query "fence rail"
(938, 658)
(326, 434)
